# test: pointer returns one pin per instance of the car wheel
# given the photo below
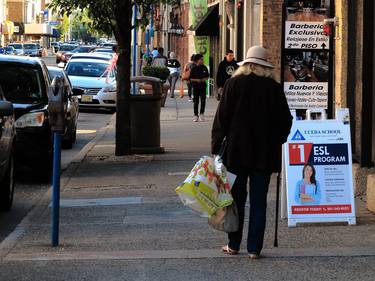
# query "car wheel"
(7, 187)
(68, 144)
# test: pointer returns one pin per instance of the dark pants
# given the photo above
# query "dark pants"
(190, 89)
(172, 79)
(259, 182)
(199, 93)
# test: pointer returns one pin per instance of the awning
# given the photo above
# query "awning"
(209, 24)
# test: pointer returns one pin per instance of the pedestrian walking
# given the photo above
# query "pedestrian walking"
(198, 77)
(160, 59)
(254, 118)
(174, 67)
(225, 71)
(186, 76)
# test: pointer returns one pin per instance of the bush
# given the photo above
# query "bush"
(160, 72)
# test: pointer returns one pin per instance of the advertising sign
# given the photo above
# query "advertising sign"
(202, 44)
(319, 178)
(306, 54)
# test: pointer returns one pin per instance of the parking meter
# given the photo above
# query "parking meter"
(56, 104)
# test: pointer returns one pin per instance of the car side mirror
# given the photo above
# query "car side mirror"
(78, 92)
(6, 108)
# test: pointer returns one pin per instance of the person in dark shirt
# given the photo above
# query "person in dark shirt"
(225, 71)
(198, 77)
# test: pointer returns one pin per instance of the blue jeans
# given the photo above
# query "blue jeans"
(259, 182)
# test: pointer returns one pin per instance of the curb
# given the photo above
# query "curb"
(67, 172)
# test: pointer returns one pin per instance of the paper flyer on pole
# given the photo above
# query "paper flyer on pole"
(319, 177)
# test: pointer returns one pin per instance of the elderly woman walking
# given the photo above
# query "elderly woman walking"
(254, 119)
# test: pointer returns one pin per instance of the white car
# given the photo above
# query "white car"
(96, 78)
(18, 47)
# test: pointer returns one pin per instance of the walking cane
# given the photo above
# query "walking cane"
(275, 242)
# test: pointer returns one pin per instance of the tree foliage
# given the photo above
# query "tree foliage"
(101, 13)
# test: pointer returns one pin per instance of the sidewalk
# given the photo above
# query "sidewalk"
(121, 220)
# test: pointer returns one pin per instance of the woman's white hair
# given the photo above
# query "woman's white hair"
(257, 69)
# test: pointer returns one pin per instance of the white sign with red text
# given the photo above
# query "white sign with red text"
(319, 179)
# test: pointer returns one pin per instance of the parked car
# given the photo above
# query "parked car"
(9, 50)
(26, 82)
(95, 56)
(31, 49)
(69, 137)
(103, 50)
(63, 49)
(96, 78)
(81, 49)
(18, 47)
(7, 146)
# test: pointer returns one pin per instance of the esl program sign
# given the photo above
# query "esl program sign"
(319, 172)
(306, 54)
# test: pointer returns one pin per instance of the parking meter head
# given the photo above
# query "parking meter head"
(56, 104)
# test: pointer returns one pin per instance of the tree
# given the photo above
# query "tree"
(115, 17)
(63, 27)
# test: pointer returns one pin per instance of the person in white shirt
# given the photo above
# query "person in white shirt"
(174, 67)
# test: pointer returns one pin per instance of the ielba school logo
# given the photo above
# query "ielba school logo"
(298, 136)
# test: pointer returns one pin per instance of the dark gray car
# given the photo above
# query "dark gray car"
(7, 145)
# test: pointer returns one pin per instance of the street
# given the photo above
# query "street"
(201, 140)
(27, 192)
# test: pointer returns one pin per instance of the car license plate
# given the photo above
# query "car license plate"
(86, 98)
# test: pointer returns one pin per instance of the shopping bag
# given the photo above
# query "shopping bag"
(206, 189)
(225, 219)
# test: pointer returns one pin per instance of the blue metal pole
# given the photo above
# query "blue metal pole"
(134, 45)
(56, 188)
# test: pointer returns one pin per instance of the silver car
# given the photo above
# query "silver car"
(18, 47)
(31, 50)
(98, 80)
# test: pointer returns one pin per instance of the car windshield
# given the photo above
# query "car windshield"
(30, 46)
(9, 49)
(81, 50)
(20, 83)
(67, 47)
(88, 69)
(103, 51)
(17, 46)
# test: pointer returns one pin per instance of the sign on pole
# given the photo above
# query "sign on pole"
(306, 54)
(318, 165)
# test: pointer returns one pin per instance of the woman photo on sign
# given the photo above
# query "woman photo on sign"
(308, 189)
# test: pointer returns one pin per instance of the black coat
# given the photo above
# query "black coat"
(225, 71)
(254, 116)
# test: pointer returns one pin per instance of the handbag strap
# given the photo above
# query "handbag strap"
(223, 148)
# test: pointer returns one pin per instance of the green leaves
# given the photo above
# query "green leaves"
(102, 13)
(160, 72)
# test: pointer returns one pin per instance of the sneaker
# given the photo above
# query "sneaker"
(196, 118)
(190, 100)
(201, 118)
